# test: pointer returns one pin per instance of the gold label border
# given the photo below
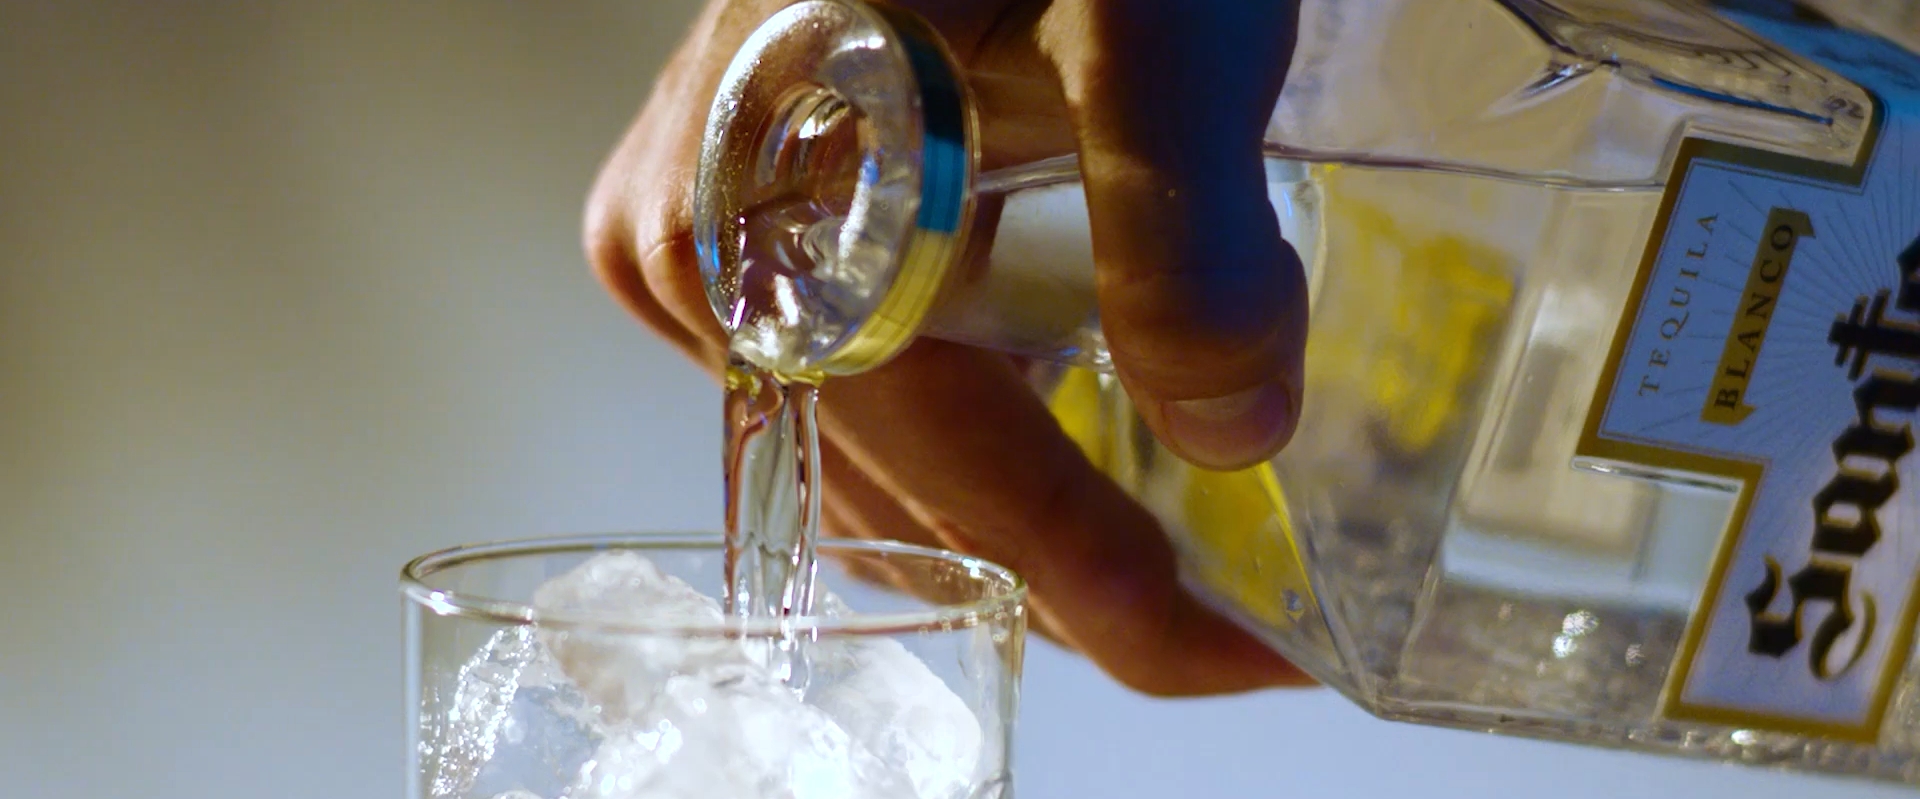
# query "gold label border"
(1745, 474)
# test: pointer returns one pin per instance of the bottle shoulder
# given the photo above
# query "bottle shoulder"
(1562, 91)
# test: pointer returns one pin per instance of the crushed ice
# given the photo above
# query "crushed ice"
(575, 714)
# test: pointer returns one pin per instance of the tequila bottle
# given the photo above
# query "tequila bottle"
(1613, 361)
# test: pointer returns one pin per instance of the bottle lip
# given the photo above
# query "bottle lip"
(912, 201)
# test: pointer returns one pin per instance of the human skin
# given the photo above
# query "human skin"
(1202, 302)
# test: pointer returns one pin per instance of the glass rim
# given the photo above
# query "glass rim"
(415, 587)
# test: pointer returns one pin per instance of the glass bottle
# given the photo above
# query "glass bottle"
(1548, 481)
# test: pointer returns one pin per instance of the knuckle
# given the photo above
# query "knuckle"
(644, 248)
(667, 251)
(608, 241)
(655, 238)
(669, 261)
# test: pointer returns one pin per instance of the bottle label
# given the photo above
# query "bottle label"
(1772, 346)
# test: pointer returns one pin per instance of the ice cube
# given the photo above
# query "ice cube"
(549, 734)
(740, 738)
(460, 737)
(895, 707)
(707, 716)
(620, 671)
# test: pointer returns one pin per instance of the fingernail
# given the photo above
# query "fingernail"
(1234, 431)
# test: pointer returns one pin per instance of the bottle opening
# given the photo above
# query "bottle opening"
(833, 185)
(803, 277)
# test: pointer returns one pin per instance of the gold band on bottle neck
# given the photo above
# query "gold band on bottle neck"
(948, 157)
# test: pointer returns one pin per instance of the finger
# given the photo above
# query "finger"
(639, 216)
(857, 507)
(610, 253)
(864, 505)
(837, 524)
(965, 447)
(1202, 302)
(878, 574)
(1023, 119)
(640, 244)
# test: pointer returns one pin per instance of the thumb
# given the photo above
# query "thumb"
(1202, 302)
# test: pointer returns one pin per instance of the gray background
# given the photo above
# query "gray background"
(291, 292)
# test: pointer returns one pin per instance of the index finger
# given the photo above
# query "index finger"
(958, 437)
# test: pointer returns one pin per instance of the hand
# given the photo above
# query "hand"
(1203, 305)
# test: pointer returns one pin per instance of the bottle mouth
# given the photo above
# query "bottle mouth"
(834, 187)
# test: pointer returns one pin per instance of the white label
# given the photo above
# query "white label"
(1776, 346)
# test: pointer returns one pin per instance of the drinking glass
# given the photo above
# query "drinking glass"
(608, 683)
